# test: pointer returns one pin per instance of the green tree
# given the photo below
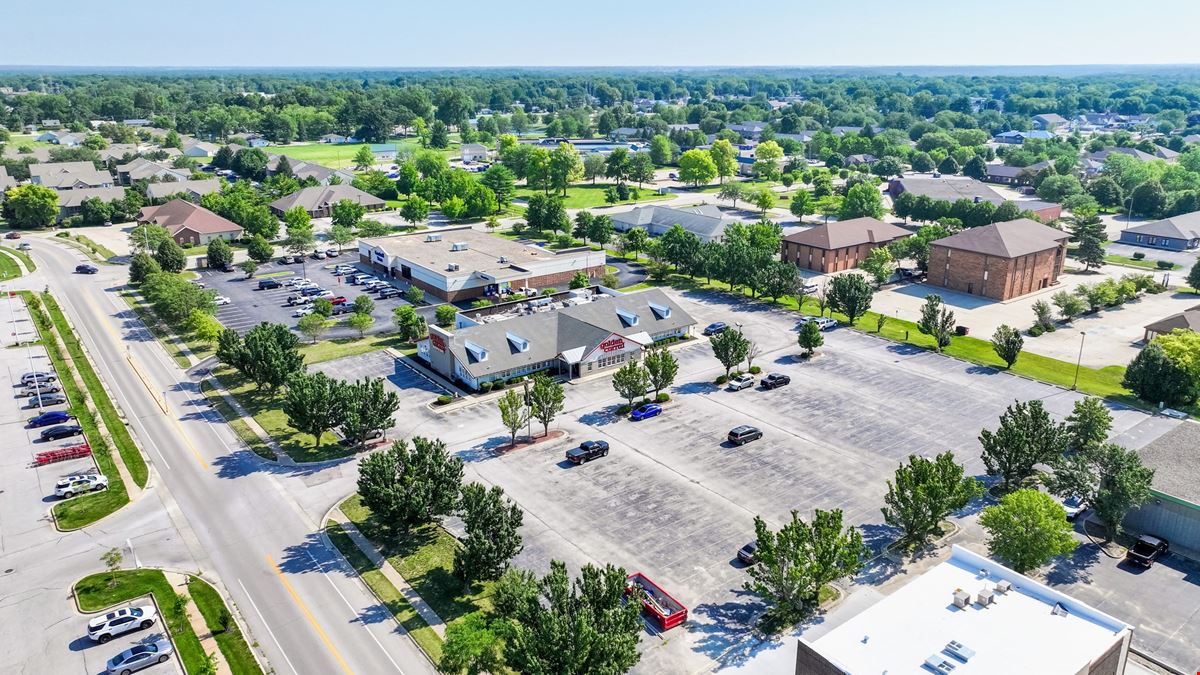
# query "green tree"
(937, 321)
(414, 295)
(31, 207)
(641, 168)
(341, 235)
(142, 266)
(546, 399)
(810, 337)
(662, 367)
(347, 213)
(730, 348)
(271, 356)
(660, 150)
(1148, 200)
(406, 486)
(204, 326)
(174, 298)
(444, 315)
(862, 201)
(112, 560)
(1088, 424)
(147, 238)
(925, 492)
(724, 157)
(501, 181)
(766, 160)
(492, 523)
(1106, 192)
(1069, 305)
(410, 325)
(594, 166)
(1106, 478)
(1026, 529)
(1027, 436)
(580, 280)
(631, 382)
(360, 322)
(796, 562)
(367, 405)
(313, 403)
(322, 307)
(514, 414)
(363, 304)
(921, 162)
(559, 625)
(801, 204)
(363, 158)
(851, 295)
(975, 168)
(473, 646)
(880, 264)
(259, 249)
(1007, 343)
(636, 240)
(763, 199)
(170, 257)
(733, 192)
(696, 167)
(313, 326)
(948, 166)
(1155, 378)
(1193, 277)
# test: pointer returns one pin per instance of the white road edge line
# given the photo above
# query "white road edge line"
(343, 597)
(137, 563)
(268, 627)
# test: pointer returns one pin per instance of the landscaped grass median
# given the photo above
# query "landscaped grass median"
(239, 426)
(231, 641)
(130, 455)
(86, 509)
(265, 407)
(95, 594)
(9, 269)
(29, 264)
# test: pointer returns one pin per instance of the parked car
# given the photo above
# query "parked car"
(140, 656)
(268, 284)
(37, 376)
(39, 388)
(1147, 549)
(743, 434)
(344, 308)
(386, 293)
(104, 628)
(909, 272)
(741, 382)
(1073, 506)
(646, 411)
(587, 451)
(48, 418)
(773, 380)
(303, 311)
(312, 290)
(823, 322)
(328, 295)
(332, 252)
(86, 269)
(13, 235)
(61, 431)
(338, 300)
(221, 300)
(292, 281)
(293, 300)
(24, 246)
(714, 328)
(318, 255)
(810, 288)
(344, 270)
(73, 485)
(362, 279)
(673, 176)
(746, 554)
(44, 400)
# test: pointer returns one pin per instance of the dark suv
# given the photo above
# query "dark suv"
(265, 284)
(86, 269)
(744, 434)
(587, 451)
(773, 380)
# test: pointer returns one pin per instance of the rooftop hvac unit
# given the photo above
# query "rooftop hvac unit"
(959, 650)
(985, 597)
(433, 237)
(961, 599)
(453, 267)
(459, 246)
(938, 664)
(503, 259)
(1003, 587)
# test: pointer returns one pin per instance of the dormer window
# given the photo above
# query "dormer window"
(660, 311)
(476, 351)
(628, 318)
(518, 343)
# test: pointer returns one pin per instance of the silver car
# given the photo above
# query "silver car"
(741, 382)
(141, 656)
(104, 628)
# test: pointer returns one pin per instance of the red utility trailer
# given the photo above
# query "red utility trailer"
(666, 610)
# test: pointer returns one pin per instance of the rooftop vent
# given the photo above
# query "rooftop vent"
(628, 318)
(519, 343)
(961, 599)
(503, 259)
(1060, 610)
(459, 246)
(938, 664)
(985, 597)
(433, 237)
(660, 311)
(959, 650)
(1003, 586)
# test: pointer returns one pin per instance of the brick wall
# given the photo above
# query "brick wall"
(826, 261)
(991, 276)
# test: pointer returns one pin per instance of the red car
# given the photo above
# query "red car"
(339, 300)
(13, 235)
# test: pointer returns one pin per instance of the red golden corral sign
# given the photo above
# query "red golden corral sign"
(438, 342)
(612, 345)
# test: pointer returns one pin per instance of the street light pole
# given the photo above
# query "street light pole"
(1082, 335)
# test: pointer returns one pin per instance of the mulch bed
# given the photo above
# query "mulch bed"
(527, 441)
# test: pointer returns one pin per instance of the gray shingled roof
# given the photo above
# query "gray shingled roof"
(1185, 226)
(841, 234)
(1186, 320)
(706, 221)
(1173, 458)
(53, 168)
(200, 187)
(317, 198)
(950, 189)
(1010, 239)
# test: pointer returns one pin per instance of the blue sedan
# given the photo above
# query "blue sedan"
(714, 328)
(646, 412)
(48, 418)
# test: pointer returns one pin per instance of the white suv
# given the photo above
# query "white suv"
(104, 628)
(72, 485)
(741, 382)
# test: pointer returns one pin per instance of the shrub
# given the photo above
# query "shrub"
(1164, 264)
(624, 409)
(961, 330)
(64, 235)
(485, 387)
(497, 385)
(1156, 289)
(754, 370)
(721, 379)
(444, 399)
(1035, 330)
(662, 397)
(515, 380)
(1139, 256)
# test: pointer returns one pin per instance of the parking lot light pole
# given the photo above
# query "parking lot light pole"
(1082, 335)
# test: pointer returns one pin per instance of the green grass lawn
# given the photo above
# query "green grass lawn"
(585, 196)
(425, 558)
(387, 593)
(335, 156)
(29, 264)
(265, 405)
(231, 642)
(155, 326)
(130, 455)
(9, 268)
(1131, 262)
(328, 350)
(239, 426)
(97, 592)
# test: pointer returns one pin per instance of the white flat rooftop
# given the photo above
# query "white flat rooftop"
(1025, 630)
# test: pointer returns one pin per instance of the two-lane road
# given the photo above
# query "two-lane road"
(306, 609)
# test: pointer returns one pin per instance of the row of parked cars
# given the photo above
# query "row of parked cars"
(150, 652)
(43, 390)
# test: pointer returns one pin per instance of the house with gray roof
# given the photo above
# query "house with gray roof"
(189, 189)
(70, 202)
(705, 221)
(1177, 233)
(572, 334)
(302, 170)
(6, 181)
(1048, 121)
(144, 169)
(1189, 319)
(50, 173)
(840, 245)
(318, 201)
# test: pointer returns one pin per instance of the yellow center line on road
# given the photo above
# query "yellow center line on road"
(311, 619)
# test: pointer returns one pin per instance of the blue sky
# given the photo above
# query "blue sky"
(374, 33)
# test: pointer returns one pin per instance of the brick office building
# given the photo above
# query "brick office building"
(459, 263)
(999, 261)
(838, 246)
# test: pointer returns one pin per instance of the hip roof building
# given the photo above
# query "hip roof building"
(999, 261)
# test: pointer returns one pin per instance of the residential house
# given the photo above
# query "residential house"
(683, 127)
(624, 133)
(318, 172)
(39, 173)
(748, 130)
(190, 224)
(705, 221)
(144, 169)
(41, 153)
(192, 190)
(1191, 138)
(1100, 156)
(384, 152)
(1000, 261)
(256, 140)
(64, 138)
(954, 188)
(318, 201)
(1014, 175)
(473, 152)
(1048, 121)
(117, 152)
(6, 181)
(840, 245)
(855, 160)
(1177, 233)
(1019, 137)
(338, 139)
(71, 201)
(1189, 320)
(77, 180)
(195, 148)
(137, 122)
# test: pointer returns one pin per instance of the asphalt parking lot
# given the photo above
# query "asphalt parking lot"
(674, 500)
(250, 306)
(414, 388)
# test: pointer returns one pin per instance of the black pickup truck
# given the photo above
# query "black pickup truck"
(587, 451)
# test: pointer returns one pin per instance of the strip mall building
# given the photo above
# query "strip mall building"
(572, 334)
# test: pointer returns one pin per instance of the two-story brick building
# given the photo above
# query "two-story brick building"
(840, 245)
(999, 261)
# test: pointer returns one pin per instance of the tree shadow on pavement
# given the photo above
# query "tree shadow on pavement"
(313, 555)
(727, 628)
(1075, 568)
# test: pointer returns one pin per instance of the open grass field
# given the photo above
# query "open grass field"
(334, 156)
(586, 196)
